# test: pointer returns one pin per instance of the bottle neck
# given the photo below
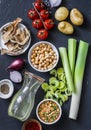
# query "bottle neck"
(30, 83)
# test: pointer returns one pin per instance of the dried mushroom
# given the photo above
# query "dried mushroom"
(21, 36)
(7, 32)
(12, 47)
(15, 37)
(15, 24)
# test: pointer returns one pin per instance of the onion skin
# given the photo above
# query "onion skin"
(56, 3)
(17, 64)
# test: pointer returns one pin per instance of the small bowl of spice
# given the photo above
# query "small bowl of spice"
(48, 111)
(6, 89)
(43, 56)
(32, 124)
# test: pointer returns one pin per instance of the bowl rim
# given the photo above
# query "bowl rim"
(31, 120)
(27, 44)
(57, 105)
(54, 48)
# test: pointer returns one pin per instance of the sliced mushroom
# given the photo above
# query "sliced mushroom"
(10, 46)
(7, 32)
(10, 30)
(15, 24)
(21, 36)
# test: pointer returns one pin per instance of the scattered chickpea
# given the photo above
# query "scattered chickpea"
(43, 56)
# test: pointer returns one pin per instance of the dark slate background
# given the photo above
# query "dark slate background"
(11, 9)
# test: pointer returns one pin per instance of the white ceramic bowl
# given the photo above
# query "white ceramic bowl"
(25, 47)
(46, 100)
(11, 89)
(54, 49)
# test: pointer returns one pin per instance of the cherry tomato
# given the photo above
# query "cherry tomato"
(42, 34)
(39, 5)
(49, 24)
(37, 23)
(44, 14)
(32, 14)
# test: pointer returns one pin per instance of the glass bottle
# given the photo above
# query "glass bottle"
(23, 101)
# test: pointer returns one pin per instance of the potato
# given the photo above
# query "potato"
(76, 17)
(61, 13)
(65, 27)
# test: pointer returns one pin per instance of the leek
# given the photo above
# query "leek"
(72, 54)
(78, 79)
(67, 70)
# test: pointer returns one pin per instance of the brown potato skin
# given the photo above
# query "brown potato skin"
(65, 27)
(61, 13)
(76, 17)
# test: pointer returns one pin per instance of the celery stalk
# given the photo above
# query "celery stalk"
(78, 79)
(72, 54)
(65, 62)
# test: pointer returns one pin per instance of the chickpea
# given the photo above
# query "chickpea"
(36, 58)
(37, 48)
(43, 64)
(40, 65)
(54, 61)
(50, 60)
(38, 54)
(33, 63)
(48, 46)
(49, 67)
(52, 57)
(50, 54)
(50, 49)
(47, 63)
(36, 62)
(55, 58)
(45, 68)
(46, 56)
(35, 66)
(40, 61)
(32, 60)
(31, 56)
(41, 69)
(47, 60)
(43, 55)
(46, 53)
(33, 51)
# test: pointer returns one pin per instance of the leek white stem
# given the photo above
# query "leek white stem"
(78, 79)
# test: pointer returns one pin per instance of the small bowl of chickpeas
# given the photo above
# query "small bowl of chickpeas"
(43, 56)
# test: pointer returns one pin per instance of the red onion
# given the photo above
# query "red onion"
(55, 3)
(15, 76)
(16, 64)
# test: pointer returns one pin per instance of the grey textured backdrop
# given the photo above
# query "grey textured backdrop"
(11, 9)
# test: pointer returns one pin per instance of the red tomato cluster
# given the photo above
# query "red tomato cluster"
(40, 16)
